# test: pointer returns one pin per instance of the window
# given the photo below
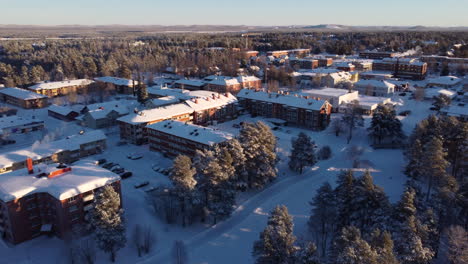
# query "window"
(73, 208)
(72, 199)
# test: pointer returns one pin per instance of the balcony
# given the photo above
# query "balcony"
(88, 207)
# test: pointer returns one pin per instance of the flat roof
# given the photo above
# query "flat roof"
(38, 151)
(12, 121)
(205, 135)
(21, 93)
(84, 176)
(160, 113)
(115, 80)
(282, 98)
(61, 84)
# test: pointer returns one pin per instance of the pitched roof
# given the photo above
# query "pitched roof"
(159, 113)
(21, 93)
(61, 84)
(284, 99)
(116, 80)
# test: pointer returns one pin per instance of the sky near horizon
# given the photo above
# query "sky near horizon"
(239, 12)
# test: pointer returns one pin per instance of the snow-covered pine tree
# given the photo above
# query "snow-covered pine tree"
(182, 176)
(302, 153)
(383, 245)
(408, 242)
(352, 118)
(441, 101)
(276, 244)
(236, 151)
(306, 254)
(371, 206)
(259, 145)
(353, 249)
(414, 168)
(345, 193)
(107, 221)
(323, 217)
(385, 127)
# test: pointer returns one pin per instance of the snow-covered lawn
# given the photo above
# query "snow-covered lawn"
(229, 241)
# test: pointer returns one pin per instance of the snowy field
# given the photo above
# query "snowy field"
(229, 241)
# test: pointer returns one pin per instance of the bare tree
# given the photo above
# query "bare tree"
(149, 239)
(137, 238)
(179, 253)
(87, 252)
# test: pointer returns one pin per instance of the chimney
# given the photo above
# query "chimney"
(58, 172)
(196, 101)
(30, 165)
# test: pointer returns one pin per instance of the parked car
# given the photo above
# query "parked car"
(135, 156)
(433, 108)
(108, 165)
(402, 94)
(101, 161)
(118, 170)
(8, 141)
(116, 166)
(236, 126)
(141, 184)
(126, 175)
(155, 168)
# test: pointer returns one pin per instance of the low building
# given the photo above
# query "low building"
(174, 137)
(120, 85)
(105, 114)
(375, 87)
(62, 112)
(23, 98)
(375, 75)
(249, 54)
(295, 109)
(162, 101)
(20, 124)
(50, 199)
(345, 66)
(133, 126)
(377, 54)
(444, 82)
(67, 150)
(291, 52)
(402, 67)
(52, 89)
(430, 93)
(223, 84)
(252, 82)
(336, 97)
(368, 104)
(307, 64)
(189, 84)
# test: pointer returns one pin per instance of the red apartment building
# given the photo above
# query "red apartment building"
(173, 138)
(294, 109)
(377, 55)
(52, 200)
(402, 67)
(308, 64)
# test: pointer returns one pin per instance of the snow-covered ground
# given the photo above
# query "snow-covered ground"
(229, 241)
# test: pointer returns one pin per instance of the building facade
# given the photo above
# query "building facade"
(23, 98)
(402, 68)
(53, 89)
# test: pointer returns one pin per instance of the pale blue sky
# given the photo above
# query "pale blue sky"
(235, 12)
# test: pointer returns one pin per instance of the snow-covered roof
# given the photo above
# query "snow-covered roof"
(166, 100)
(374, 83)
(371, 102)
(21, 93)
(100, 110)
(198, 83)
(14, 121)
(83, 177)
(61, 84)
(160, 113)
(282, 98)
(251, 78)
(63, 110)
(115, 80)
(225, 81)
(38, 151)
(455, 110)
(332, 92)
(431, 92)
(445, 80)
(204, 135)
(213, 101)
(178, 93)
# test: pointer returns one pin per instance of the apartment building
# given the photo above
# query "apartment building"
(377, 55)
(50, 199)
(20, 124)
(375, 88)
(291, 52)
(336, 97)
(402, 67)
(294, 109)
(306, 64)
(53, 89)
(62, 112)
(174, 137)
(67, 150)
(120, 85)
(23, 98)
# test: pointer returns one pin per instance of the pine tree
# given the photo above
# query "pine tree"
(434, 165)
(276, 244)
(382, 243)
(353, 249)
(306, 254)
(234, 148)
(385, 126)
(457, 245)
(182, 176)
(323, 216)
(345, 192)
(371, 205)
(352, 118)
(106, 219)
(414, 169)
(441, 101)
(259, 145)
(409, 246)
(302, 153)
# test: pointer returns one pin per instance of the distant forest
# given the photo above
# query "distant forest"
(27, 61)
